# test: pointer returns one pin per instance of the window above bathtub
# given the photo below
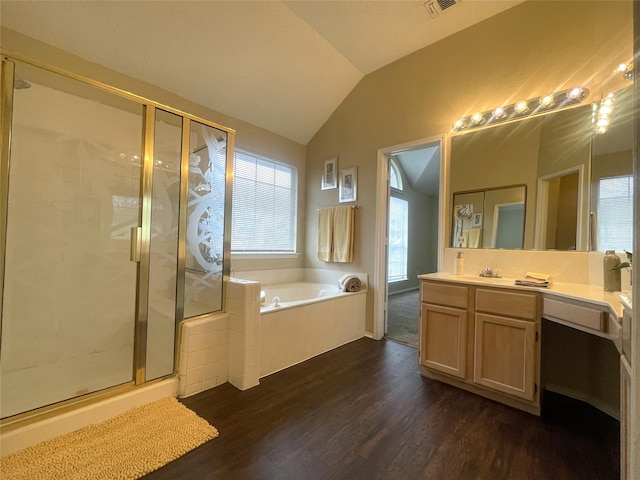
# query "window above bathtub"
(264, 207)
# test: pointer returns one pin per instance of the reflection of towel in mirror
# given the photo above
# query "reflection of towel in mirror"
(473, 238)
(349, 283)
(325, 233)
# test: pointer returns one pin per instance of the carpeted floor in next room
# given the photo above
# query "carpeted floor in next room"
(403, 314)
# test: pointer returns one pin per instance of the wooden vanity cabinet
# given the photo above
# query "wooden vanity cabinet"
(625, 397)
(482, 339)
(443, 329)
(505, 341)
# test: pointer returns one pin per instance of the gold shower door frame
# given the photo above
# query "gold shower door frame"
(140, 246)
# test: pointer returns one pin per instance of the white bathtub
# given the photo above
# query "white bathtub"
(312, 318)
(293, 294)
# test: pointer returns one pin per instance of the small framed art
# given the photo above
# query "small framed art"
(348, 190)
(329, 176)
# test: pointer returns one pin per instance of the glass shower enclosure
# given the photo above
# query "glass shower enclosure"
(114, 226)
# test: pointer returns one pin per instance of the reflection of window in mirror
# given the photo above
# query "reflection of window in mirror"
(615, 208)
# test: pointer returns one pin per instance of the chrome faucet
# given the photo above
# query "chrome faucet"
(488, 273)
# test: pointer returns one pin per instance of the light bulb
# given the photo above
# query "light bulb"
(622, 67)
(601, 130)
(521, 107)
(458, 124)
(546, 101)
(574, 93)
(602, 122)
(477, 118)
(499, 112)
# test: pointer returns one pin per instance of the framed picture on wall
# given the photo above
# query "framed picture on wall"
(477, 220)
(348, 191)
(329, 174)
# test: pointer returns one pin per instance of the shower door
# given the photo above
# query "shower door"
(74, 195)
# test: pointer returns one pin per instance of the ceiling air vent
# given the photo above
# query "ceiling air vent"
(436, 7)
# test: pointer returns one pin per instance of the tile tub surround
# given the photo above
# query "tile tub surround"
(292, 335)
(204, 354)
(564, 266)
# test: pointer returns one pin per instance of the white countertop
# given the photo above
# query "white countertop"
(589, 293)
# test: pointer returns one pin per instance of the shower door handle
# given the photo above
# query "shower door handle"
(136, 238)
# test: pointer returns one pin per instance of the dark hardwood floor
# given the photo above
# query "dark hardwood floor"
(363, 411)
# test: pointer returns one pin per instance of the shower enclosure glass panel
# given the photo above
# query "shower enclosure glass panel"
(205, 220)
(163, 246)
(69, 302)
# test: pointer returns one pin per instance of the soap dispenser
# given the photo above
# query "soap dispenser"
(458, 268)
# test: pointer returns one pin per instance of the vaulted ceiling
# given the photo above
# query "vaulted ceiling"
(284, 66)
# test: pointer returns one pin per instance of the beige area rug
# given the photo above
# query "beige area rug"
(125, 447)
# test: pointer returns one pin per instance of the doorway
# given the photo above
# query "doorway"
(411, 225)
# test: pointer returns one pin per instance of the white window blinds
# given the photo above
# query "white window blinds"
(264, 205)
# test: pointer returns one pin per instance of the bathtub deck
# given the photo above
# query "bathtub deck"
(363, 411)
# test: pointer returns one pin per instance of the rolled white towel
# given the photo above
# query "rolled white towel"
(349, 283)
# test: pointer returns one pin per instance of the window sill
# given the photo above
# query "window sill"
(398, 280)
(263, 255)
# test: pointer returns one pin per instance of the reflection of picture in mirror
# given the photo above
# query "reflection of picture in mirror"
(494, 218)
(463, 212)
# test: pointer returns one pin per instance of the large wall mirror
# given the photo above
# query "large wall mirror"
(560, 185)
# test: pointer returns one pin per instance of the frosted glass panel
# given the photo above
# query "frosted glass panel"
(163, 248)
(70, 287)
(205, 221)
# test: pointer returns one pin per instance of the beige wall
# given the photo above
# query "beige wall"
(248, 137)
(532, 49)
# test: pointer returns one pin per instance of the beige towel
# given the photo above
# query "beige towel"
(325, 233)
(474, 238)
(343, 233)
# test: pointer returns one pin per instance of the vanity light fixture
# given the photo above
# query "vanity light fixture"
(601, 113)
(523, 108)
(627, 70)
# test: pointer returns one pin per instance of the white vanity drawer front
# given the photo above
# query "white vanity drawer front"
(576, 314)
(626, 334)
(443, 294)
(521, 305)
(614, 330)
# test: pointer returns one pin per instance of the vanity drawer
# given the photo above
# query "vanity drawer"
(521, 305)
(444, 294)
(614, 331)
(576, 314)
(626, 334)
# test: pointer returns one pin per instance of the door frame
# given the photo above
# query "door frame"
(382, 213)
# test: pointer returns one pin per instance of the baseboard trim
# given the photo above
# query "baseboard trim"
(604, 407)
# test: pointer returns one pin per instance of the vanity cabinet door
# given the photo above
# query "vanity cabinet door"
(443, 339)
(505, 355)
(625, 417)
